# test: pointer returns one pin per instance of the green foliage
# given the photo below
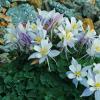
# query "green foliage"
(21, 81)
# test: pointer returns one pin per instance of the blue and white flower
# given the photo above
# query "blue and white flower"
(94, 49)
(94, 85)
(49, 19)
(43, 51)
(77, 73)
(65, 34)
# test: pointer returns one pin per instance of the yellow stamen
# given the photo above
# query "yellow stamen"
(97, 48)
(77, 74)
(33, 26)
(74, 26)
(44, 51)
(97, 85)
(38, 39)
(68, 36)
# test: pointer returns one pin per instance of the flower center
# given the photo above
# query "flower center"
(38, 39)
(44, 51)
(77, 73)
(97, 48)
(97, 85)
(74, 26)
(68, 36)
(33, 26)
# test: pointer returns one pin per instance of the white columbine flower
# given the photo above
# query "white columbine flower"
(94, 50)
(94, 85)
(36, 32)
(76, 73)
(43, 51)
(76, 26)
(66, 35)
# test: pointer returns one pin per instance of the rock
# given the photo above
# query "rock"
(22, 13)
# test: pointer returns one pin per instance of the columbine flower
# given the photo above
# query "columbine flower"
(39, 36)
(44, 51)
(94, 85)
(94, 50)
(76, 26)
(23, 32)
(65, 34)
(37, 33)
(76, 73)
(96, 68)
(49, 19)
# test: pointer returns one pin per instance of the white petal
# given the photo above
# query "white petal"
(20, 26)
(87, 68)
(75, 82)
(37, 48)
(92, 88)
(44, 43)
(72, 68)
(87, 92)
(78, 67)
(97, 78)
(54, 53)
(83, 73)
(79, 78)
(61, 29)
(73, 20)
(35, 55)
(74, 62)
(91, 77)
(91, 82)
(68, 26)
(42, 60)
(84, 82)
(65, 42)
(70, 75)
(97, 95)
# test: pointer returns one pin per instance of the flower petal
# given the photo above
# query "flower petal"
(83, 73)
(74, 62)
(87, 92)
(75, 82)
(84, 82)
(35, 55)
(70, 75)
(72, 68)
(42, 60)
(73, 20)
(97, 95)
(37, 48)
(54, 53)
